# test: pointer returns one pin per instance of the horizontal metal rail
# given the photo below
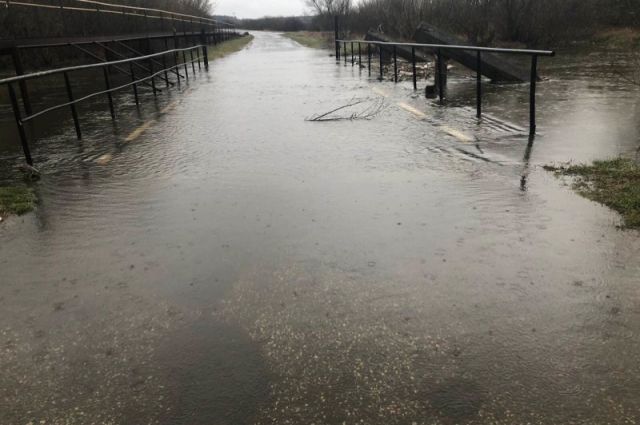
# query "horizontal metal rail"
(440, 74)
(455, 47)
(48, 72)
(150, 75)
(120, 10)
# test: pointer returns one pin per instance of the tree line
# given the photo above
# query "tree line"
(530, 22)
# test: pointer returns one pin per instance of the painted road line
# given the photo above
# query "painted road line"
(138, 131)
(169, 107)
(465, 138)
(104, 159)
(380, 92)
(412, 110)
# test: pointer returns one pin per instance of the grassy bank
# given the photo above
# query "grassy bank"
(614, 183)
(228, 47)
(313, 39)
(16, 200)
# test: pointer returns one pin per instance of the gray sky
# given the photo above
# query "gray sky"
(259, 8)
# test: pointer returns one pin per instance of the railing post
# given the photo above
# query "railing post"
(440, 76)
(153, 80)
(193, 64)
(21, 132)
(205, 58)
(395, 63)
(72, 105)
(184, 62)
(369, 58)
(352, 55)
(336, 37)
(532, 95)
(381, 68)
(24, 92)
(135, 86)
(359, 55)
(345, 53)
(413, 61)
(109, 96)
(479, 84)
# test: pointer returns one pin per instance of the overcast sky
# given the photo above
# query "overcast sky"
(259, 8)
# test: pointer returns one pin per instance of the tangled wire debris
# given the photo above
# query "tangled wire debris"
(367, 109)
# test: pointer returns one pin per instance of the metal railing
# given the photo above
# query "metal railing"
(439, 50)
(152, 74)
(123, 10)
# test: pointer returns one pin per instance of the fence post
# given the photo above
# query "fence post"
(479, 84)
(72, 105)
(413, 61)
(532, 95)
(440, 75)
(205, 58)
(352, 55)
(135, 86)
(345, 53)
(24, 92)
(359, 55)
(369, 58)
(21, 131)
(395, 64)
(381, 69)
(336, 37)
(109, 96)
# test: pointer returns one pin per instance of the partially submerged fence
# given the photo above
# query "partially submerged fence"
(440, 52)
(170, 61)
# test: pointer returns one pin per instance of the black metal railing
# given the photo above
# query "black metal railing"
(99, 7)
(150, 75)
(440, 50)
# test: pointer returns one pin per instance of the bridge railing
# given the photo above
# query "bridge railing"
(149, 15)
(149, 77)
(439, 50)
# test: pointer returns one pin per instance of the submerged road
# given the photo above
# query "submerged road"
(217, 259)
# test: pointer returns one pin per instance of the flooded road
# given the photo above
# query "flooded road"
(235, 264)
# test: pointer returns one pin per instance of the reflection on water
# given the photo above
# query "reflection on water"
(238, 264)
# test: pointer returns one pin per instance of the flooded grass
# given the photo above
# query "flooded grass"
(614, 183)
(313, 39)
(16, 200)
(228, 47)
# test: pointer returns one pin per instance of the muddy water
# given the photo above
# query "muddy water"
(236, 264)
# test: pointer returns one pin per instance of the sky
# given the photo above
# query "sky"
(259, 8)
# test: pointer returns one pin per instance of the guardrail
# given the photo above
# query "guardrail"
(438, 49)
(104, 66)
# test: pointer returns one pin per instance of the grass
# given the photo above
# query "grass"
(618, 38)
(614, 183)
(16, 200)
(228, 47)
(313, 39)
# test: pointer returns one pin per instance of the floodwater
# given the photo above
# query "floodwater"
(236, 264)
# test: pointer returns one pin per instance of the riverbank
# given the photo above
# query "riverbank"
(614, 183)
(221, 50)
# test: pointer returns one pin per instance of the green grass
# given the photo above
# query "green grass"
(313, 39)
(614, 183)
(16, 200)
(228, 47)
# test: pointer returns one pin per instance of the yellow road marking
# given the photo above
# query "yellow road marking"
(412, 110)
(138, 131)
(379, 92)
(458, 135)
(104, 159)
(169, 107)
